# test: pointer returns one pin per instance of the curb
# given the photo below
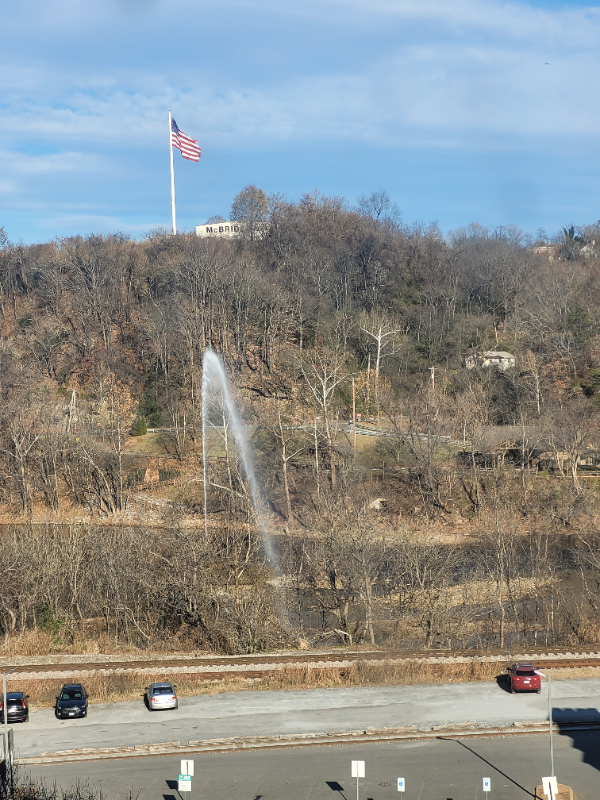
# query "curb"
(236, 744)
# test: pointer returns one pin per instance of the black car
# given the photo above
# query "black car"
(71, 702)
(17, 707)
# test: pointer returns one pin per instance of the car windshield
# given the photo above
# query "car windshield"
(162, 690)
(71, 694)
(13, 696)
(525, 673)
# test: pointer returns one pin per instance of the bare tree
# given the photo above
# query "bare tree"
(324, 371)
(384, 335)
(573, 430)
(251, 207)
(346, 561)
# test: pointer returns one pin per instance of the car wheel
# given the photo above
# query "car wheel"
(176, 706)
(537, 691)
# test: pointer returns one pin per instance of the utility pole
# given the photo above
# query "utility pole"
(354, 415)
(543, 675)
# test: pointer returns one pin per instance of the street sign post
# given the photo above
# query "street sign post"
(487, 785)
(550, 787)
(184, 783)
(401, 785)
(358, 771)
(187, 767)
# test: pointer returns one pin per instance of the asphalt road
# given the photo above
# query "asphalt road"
(434, 770)
(256, 713)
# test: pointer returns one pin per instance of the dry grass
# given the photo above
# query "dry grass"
(94, 641)
(118, 686)
(130, 686)
(121, 687)
(149, 444)
(571, 674)
(364, 674)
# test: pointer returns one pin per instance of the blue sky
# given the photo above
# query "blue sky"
(465, 111)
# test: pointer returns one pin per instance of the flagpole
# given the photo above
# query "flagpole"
(172, 175)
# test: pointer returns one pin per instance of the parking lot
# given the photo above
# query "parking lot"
(315, 711)
(433, 770)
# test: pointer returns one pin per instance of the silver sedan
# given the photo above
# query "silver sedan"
(161, 695)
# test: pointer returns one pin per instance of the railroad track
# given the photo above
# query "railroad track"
(265, 664)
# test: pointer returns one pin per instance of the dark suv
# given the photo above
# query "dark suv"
(17, 707)
(71, 702)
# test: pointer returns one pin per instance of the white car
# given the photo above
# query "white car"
(161, 695)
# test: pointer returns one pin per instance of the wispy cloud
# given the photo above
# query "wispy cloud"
(17, 165)
(97, 222)
(536, 78)
(437, 91)
(569, 26)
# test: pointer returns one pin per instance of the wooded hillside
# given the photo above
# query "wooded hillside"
(461, 511)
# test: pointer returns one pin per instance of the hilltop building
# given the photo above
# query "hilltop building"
(228, 229)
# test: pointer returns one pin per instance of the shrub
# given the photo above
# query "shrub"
(139, 427)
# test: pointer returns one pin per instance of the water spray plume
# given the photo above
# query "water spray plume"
(215, 386)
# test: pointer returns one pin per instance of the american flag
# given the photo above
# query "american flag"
(189, 147)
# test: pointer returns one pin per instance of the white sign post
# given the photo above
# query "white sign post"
(550, 787)
(401, 785)
(358, 771)
(184, 784)
(487, 784)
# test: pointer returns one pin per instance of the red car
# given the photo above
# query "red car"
(523, 677)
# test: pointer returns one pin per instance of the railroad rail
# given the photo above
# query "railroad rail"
(268, 664)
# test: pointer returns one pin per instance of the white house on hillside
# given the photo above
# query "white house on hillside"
(492, 358)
